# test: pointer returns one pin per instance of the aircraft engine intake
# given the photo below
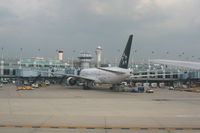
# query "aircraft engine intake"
(71, 81)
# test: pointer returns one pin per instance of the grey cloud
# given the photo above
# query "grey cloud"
(82, 25)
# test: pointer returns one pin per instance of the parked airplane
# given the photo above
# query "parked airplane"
(103, 75)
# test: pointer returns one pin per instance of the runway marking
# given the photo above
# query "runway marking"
(94, 128)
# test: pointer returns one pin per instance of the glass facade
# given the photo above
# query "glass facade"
(10, 67)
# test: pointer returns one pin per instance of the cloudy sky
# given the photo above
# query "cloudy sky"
(169, 28)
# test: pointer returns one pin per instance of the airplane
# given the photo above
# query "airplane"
(103, 75)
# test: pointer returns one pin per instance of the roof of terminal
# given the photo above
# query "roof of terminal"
(34, 61)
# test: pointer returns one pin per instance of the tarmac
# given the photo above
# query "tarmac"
(62, 109)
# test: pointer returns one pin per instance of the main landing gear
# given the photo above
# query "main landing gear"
(88, 85)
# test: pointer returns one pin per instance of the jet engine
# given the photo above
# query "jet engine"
(71, 81)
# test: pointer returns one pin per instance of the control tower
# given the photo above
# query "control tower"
(85, 59)
(60, 55)
(98, 54)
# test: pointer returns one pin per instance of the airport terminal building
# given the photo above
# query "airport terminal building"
(29, 67)
(163, 74)
(26, 67)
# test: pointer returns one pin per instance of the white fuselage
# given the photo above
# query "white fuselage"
(114, 75)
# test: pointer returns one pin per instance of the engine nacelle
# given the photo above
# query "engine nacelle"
(71, 81)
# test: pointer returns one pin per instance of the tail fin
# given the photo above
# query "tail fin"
(125, 57)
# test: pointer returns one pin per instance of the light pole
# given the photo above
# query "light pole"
(37, 64)
(167, 53)
(39, 52)
(152, 56)
(193, 58)
(73, 58)
(20, 65)
(2, 53)
(2, 61)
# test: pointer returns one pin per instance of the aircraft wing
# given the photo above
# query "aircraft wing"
(68, 75)
(183, 64)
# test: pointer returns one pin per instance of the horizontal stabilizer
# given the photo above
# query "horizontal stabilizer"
(112, 71)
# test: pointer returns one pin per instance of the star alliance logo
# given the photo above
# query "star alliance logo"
(124, 59)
